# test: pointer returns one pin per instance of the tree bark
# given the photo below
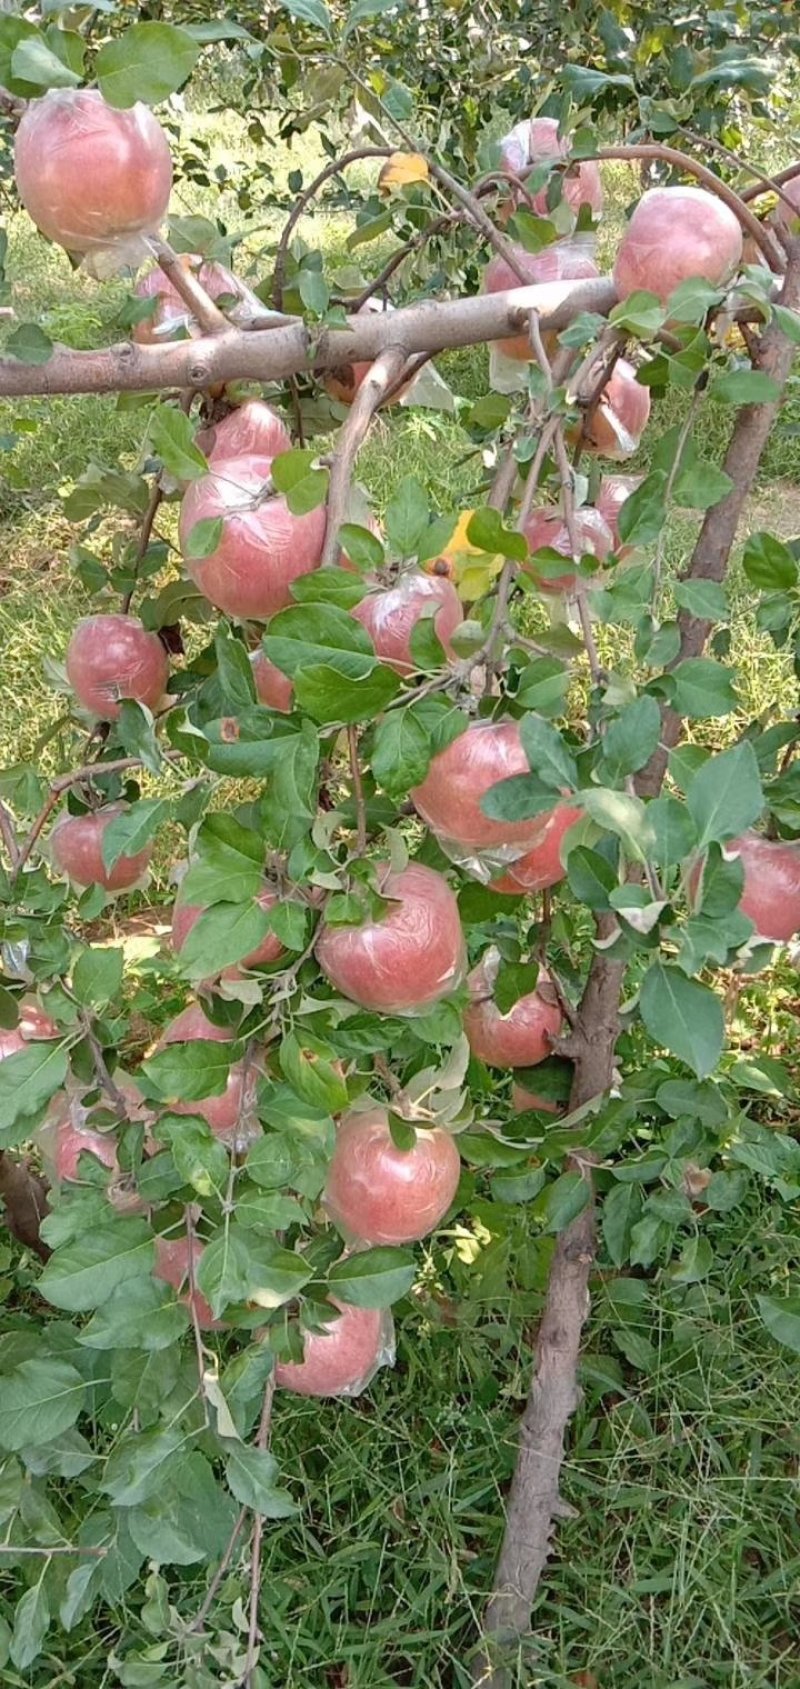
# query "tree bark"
(25, 1203)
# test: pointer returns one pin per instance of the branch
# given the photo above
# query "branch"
(776, 182)
(188, 285)
(24, 1198)
(568, 505)
(208, 1599)
(301, 205)
(8, 835)
(764, 183)
(386, 368)
(273, 354)
(145, 534)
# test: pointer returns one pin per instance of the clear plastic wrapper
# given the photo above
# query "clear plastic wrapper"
(232, 1114)
(407, 960)
(66, 1134)
(613, 492)
(541, 866)
(253, 429)
(449, 798)
(343, 1359)
(547, 529)
(391, 613)
(76, 850)
(377, 1193)
(771, 893)
(533, 141)
(621, 416)
(110, 658)
(565, 260)
(172, 315)
(521, 1038)
(262, 549)
(675, 235)
(185, 915)
(32, 1025)
(94, 178)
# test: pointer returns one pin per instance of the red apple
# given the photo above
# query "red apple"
(521, 1038)
(377, 1193)
(390, 615)
(76, 849)
(771, 895)
(522, 1100)
(33, 1024)
(449, 798)
(537, 139)
(674, 235)
(251, 430)
(618, 423)
(71, 1143)
(172, 312)
(782, 218)
(89, 173)
(172, 1266)
(185, 915)
(565, 260)
(114, 657)
(263, 548)
(341, 1360)
(409, 958)
(540, 867)
(273, 687)
(230, 1113)
(547, 528)
(613, 492)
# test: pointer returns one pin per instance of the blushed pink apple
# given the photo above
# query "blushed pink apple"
(622, 415)
(522, 1100)
(110, 658)
(771, 894)
(253, 429)
(262, 549)
(341, 1360)
(185, 916)
(449, 798)
(409, 958)
(89, 173)
(377, 1193)
(228, 1114)
(76, 843)
(565, 260)
(614, 491)
(547, 528)
(390, 615)
(674, 235)
(521, 1038)
(172, 312)
(541, 866)
(273, 687)
(537, 139)
(172, 1267)
(32, 1025)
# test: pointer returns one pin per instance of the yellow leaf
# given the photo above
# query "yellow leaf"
(474, 576)
(402, 169)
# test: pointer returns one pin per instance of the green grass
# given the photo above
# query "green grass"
(679, 1568)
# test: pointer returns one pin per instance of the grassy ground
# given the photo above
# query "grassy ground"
(680, 1566)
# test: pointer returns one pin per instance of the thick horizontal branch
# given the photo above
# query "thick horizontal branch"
(274, 354)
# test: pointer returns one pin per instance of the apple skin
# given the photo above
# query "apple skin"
(172, 312)
(674, 235)
(342, 1360)
(541, 866)
(547, 527)
(782, 218)
(390, 615)
(33, 1024)
(185, 915)
(407, 960)
(90, 174)
(537, 139)
(253, 429)
(263, 547)
(522, 1100)
(76, 850)
(613, 492)
(172, 1266)
(273, 687)
(110, 658)
(565, 260)
(771, 894)
(226, 1114)
(449, 798)
(523, 1037)
(621, 417)
(71, 1143)
(377, 1193)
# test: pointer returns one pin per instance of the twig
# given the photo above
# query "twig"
(683, 161)
(776, 182)
(208, 1599)
(436, 227)
(112, 1090)
(504, 480)
(54, 1548)
(386, 368)
(186, 283)
(532, 478)
(145, 535)
(9, 836)
(358, 790)
(262, 1442)
(568, 504)
(199, 1345)
(302, 203)
(763, 182)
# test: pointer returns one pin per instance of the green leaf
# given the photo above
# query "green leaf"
(549, 756)
(191, 1071)
(641, 313)
(294, 474)
(290, 923)
(137, 734)
(148, 62)
(39, 1400)
(312, 1070)
(314, 291)
(33, 61)
(230, 865)
(561, 1202)
(172, 438)
(310, 11)
(519, 798)
(86, 1271)
(251, 1474)
(781, 1317)
(694, 1262)
(203, 538)
(97, 976)
(222, 935)
(744, 387)
(29, 344)
(703, 688)
(622, 815)
(683, 1017)
(31, 1624)
(407, 515)
(364, 9)
(141, 1314)
(201, 1160)
(401, 751)
(768, 563)
(543, 686)
(725, 797)
(631, 739)
(141, 1466)
(362, 547)
(224, 1272)
(373, 1278)
(642, 516)
(788, 322)
(275, 1275)
(317, 635)
(330, 696)
(705, 599)
(28, 1080)
(488, 532)
(133, 828)
(621, 1210)
(290, 804)
(591, 878)
(701, 486)
(188, 1520)
(235, 671)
